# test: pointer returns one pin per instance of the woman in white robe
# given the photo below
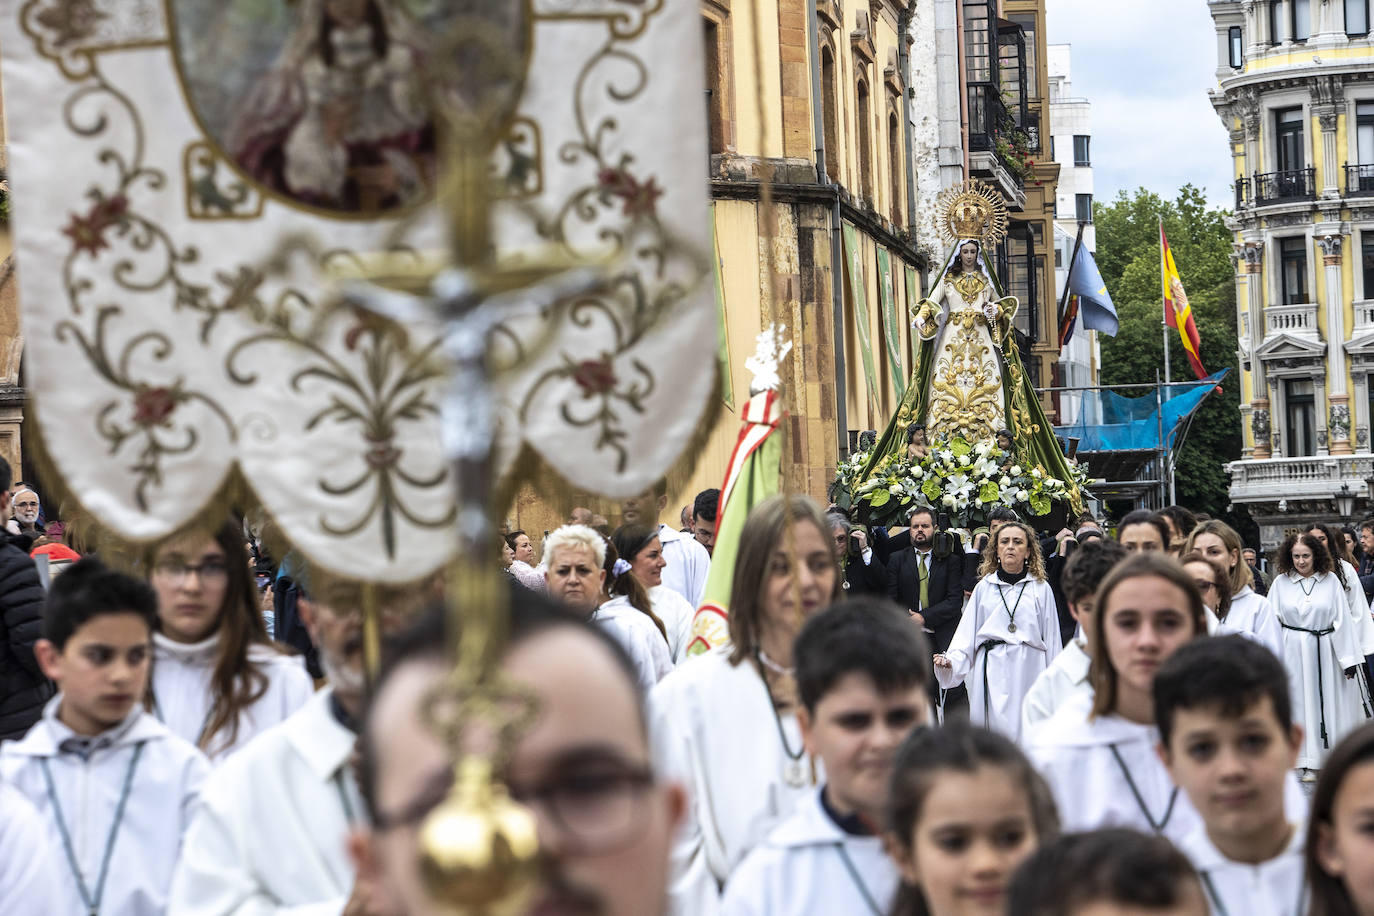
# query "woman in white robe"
(642, 548)
(1098, 752)
(1320, 649)
(1355, 598)
(1008, 634)
(724, 723)
(217, 681)
(1250, 613)
(627, 614)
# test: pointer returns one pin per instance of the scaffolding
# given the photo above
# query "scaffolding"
(1131, 444)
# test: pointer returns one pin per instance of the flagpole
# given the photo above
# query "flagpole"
(1068, 278)
(1163, 301)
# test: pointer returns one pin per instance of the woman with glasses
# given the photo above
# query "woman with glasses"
(217, 680)
(1248, 613)
(1320, 647)
(1212, 581)
(725, 723)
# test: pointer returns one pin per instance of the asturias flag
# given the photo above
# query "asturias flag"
(1178, 314)
(1094, 303)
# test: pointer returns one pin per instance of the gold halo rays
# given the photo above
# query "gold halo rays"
(972, 211)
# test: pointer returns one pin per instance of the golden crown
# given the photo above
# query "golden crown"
(973, 211)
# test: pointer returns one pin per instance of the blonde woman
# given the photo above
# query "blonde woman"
(1249, 614)
(1008, 634)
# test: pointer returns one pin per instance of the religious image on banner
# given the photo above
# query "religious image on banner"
(970, 434)
(323, 102)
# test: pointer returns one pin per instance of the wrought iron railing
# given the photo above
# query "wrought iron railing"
(1292, 184)
(1359, 180)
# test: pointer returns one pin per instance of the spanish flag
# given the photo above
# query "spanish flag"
(1178, 314)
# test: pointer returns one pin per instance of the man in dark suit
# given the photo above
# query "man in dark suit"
(930, 587)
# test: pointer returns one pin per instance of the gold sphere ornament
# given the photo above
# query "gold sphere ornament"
(479, 849)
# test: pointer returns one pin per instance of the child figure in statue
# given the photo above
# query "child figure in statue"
(1008, 446)
(916, 447)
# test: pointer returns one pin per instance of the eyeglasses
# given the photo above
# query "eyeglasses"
(26, 505)
(1203, 585)
(595, 812)
(210, 572)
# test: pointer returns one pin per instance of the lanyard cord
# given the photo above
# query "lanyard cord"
(1221, 907)
(204, 723)
(343, 797)
(796, 755)
(1011, 610)
(92, 901)
(1140, 800)
(858, 881)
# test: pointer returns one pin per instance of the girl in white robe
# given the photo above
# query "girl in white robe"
(1250, 613)
(724, 723)
(217, 681)
(1319, 647)
(1098, 753)
(1008, 634)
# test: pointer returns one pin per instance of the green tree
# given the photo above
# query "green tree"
(1129, 258)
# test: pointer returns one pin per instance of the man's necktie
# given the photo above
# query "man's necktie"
(925, 581)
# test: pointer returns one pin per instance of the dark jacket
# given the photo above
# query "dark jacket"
(946, 590)
(23, 688)
(860, 579)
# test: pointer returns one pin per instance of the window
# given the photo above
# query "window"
(1288, 139)
(1360, 176)
(828, 119)
(1293, 256)
(1080, 149)
(1083, 207)
(865, 144)
(1367, 267)
(1279, 22)
(1357, 17)
(1027, 24)
(1233, 38)
(715, 96)
(1302, 19)
(1300, 404)
(1052, 159)
(894, 165)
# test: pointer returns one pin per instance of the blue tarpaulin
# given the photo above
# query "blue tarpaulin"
(1110, 422)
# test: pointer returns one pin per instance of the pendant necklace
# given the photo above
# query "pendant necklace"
(794, 771)
(1011, 610)
(91, 897)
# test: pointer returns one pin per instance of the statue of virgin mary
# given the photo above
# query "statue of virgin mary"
(969, 380)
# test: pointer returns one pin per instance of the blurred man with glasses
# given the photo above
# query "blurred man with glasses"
(605, 821)
(26, 512)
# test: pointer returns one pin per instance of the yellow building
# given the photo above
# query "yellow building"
(1296, 92)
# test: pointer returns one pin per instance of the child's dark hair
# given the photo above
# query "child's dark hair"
(1088, 566)
(1102, 866)
(1329, 896)
(869, 636)
(89, 589)
(1228, 674)
(959, 747)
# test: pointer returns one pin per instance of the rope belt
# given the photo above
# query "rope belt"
(1321, 690)
(984, 647)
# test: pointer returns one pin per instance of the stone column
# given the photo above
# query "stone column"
(1322, 406)
(1254, 294)
(1337, 419)
(1274, 403)
(1331, 168)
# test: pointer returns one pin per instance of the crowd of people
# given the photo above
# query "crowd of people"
(923, 721)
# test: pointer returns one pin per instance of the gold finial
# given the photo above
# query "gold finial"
(973, 211)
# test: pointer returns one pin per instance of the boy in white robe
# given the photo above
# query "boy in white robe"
(116, 788)
(1067, 675)
(1228, 739)
(863, 687)
(1009, 633)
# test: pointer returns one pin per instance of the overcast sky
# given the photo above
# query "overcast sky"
(1146, 66)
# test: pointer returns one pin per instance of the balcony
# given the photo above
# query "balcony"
(1359, 181)
(1364, 317)
(1272, 479)
(1266, 188)
(1294, 320)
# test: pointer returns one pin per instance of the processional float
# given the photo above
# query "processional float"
(362, 268)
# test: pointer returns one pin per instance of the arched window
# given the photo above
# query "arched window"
(829, 118)
(865, 150)
(894, 165)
